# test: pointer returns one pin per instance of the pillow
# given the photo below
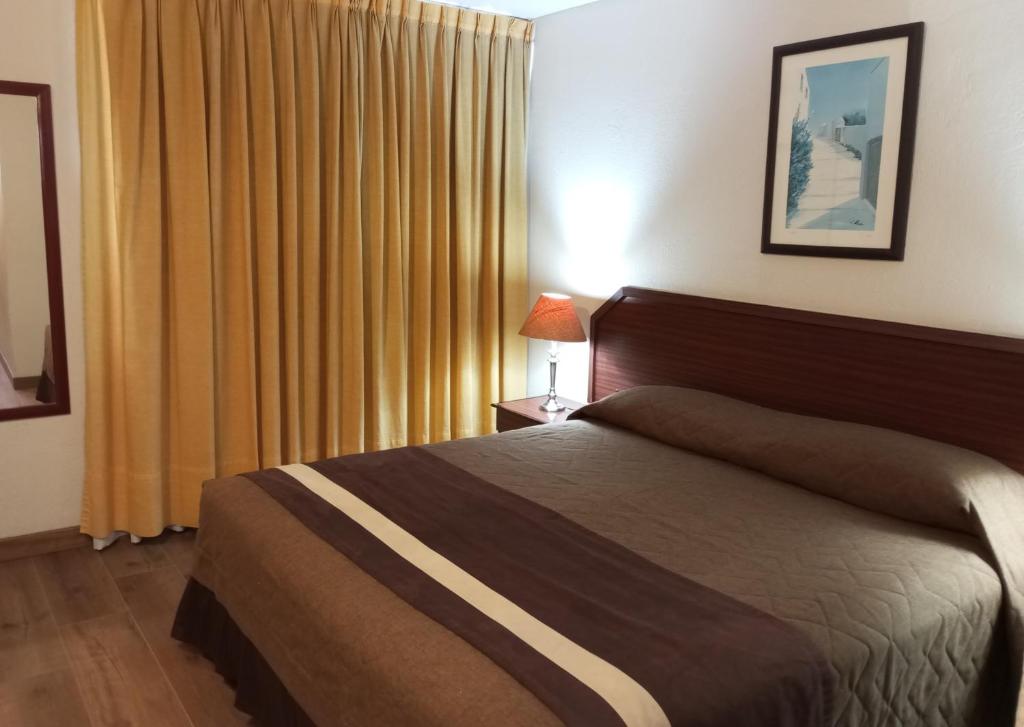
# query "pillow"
(877, 469)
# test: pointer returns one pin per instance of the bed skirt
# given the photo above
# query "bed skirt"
(204, 623)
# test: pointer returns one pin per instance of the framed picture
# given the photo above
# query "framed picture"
(841, 144)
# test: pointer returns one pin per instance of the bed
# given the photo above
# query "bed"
(831, 505)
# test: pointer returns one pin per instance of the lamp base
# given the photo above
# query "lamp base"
(552, 405)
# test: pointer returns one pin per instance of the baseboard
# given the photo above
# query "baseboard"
(25, 382)
(25, 546)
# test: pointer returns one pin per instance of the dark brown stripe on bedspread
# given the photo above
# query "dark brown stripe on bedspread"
(707, 659)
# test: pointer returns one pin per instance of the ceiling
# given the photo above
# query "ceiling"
(519, 8)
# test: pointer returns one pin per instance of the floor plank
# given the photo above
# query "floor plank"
(120, 679)
(44, 700)
(78, 586)
(79, 646)
(180, 547)
(153, 600)
(125, 559)
(29, 641)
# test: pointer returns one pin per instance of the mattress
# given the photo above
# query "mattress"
(911, 617)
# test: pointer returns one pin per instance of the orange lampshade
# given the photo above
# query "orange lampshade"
(553, 318)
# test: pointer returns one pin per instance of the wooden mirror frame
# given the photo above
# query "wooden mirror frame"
(47, 172)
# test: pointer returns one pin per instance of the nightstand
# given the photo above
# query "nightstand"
(527, 413)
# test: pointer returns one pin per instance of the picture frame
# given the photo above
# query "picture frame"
(843, 116)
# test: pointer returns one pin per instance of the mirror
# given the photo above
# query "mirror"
(33, 358)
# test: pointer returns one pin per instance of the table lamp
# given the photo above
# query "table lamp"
(553, 319)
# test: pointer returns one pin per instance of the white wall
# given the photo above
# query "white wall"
(41, 460)
(24, 307)
(647, 151)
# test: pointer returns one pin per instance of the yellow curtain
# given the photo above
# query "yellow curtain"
(304, 235)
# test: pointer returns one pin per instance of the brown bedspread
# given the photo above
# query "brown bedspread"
(705, 658)
(914, 479)
(907, 614)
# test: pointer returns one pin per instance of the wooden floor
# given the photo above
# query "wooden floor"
(85, 640)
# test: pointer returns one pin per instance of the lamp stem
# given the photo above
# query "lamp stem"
(553, 404)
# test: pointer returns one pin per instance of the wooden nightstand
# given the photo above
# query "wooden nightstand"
(527, 413)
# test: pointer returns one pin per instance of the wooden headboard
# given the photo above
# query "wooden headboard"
(962, 388)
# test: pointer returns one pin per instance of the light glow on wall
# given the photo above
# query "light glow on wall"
(597, 218)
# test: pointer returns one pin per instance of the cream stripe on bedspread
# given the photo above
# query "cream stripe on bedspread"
(630, 700)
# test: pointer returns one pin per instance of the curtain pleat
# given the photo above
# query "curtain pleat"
(304, 236)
